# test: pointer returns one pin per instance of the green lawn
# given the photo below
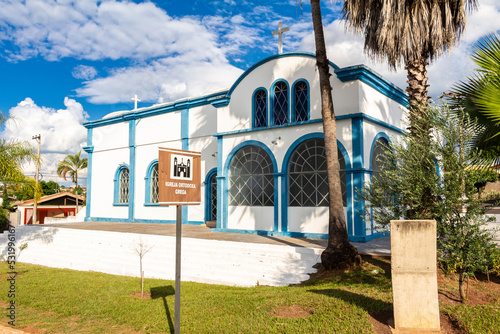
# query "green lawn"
(66, 301)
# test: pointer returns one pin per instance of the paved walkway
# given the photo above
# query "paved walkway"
(380, 246)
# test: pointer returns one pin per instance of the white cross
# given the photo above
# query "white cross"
(135, 99)
(280, 32)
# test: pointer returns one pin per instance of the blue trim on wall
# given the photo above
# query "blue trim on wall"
(89, 149)
(314, 121)
(221, 181)
(357, 143)
(371, 119)
(226, 173)
(208, 193)
(185, 146)
(116, 185)
(358, 173)
(274, 233)
(214, 99)
(131, 190)
(271, 103)
(348, 186)
(374, 80)
(147, 181)
(293, 108)
(272, 127)
(253, 107)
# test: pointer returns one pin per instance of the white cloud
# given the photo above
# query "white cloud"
(84, 72)
(61, 130)
(166, 79)
(97, 30)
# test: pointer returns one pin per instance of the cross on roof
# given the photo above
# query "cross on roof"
(135, 99)
(280, 32)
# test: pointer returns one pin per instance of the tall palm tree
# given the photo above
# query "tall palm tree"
(70, 166)
(479, 96)
(410, 33)
(339, 252)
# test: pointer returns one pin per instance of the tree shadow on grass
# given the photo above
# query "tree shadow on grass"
(376, 308)
(162, 292)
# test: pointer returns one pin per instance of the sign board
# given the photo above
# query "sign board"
(179, 177)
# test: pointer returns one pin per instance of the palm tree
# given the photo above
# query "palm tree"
(479, 96)
(13, 154)
(411, 33)
(339, 252)
(71, 165)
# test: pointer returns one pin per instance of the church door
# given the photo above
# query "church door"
(212, 221)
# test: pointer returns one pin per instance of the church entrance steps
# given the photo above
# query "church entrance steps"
(203, 260)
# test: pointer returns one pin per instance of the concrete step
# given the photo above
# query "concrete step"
(203, 260)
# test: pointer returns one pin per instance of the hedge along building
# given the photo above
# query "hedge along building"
(262, 150)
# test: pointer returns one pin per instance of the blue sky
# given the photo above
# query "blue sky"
(65, 62)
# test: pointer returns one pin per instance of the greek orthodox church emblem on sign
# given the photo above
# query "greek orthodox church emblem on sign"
(181, 167)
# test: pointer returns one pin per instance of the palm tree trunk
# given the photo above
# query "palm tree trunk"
(339, 252)
(417, 93)
(76, 182)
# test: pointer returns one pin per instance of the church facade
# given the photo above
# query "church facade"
(262, 151)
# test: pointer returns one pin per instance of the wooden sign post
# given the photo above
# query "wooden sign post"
(179, 182)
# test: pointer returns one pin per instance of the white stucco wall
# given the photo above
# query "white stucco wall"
(104, 166)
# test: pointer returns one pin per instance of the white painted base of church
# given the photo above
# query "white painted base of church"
(204, 261)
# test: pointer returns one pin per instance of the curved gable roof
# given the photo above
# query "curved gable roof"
(350, 73)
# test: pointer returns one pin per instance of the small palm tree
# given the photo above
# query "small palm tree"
(70, 166)
(479, 96)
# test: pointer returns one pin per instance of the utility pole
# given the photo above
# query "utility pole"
(37, 163)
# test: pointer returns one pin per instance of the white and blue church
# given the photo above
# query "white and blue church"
(262, 151)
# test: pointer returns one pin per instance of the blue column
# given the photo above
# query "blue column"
(185, 147)
(89, 149)
(358, 177)
(131, 194)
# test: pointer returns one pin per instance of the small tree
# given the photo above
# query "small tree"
(464, 245)
(141, 248)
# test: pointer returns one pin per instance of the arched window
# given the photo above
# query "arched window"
(307, 176)
(122, 186)
(301, 105)
(260, 108)
(378, 150)
(251, 180)
(280, 104)
(152, 183)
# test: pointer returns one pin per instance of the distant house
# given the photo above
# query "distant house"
(59, 205)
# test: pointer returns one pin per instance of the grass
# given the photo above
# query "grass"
(52, 300)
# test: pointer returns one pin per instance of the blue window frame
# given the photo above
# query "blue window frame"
(251, 178)
(307, 175)
(121, 186)
(300, 101)
(260, 108)
(280, 103)
(152, 183)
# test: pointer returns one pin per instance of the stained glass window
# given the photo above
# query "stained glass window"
(123, 186)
